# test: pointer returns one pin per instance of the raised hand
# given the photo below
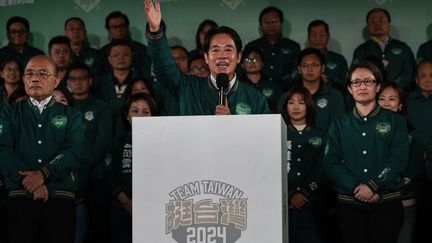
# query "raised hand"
(153, 14)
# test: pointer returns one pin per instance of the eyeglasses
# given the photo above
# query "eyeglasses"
(311, 65)
(80, 78)
(18, 32)
(366, 82)
(250, 60)
(198, 69)
(43, 74)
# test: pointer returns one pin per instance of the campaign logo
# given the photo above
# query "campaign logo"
(206, 211)
(87, 5)
(233, 4)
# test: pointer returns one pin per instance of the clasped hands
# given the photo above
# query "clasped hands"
(364, 194)
(33, 182)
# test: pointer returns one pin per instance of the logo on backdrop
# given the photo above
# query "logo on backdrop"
(87, 5)
(5, 3)
(233, 4)
(381, 2)
(206, 211)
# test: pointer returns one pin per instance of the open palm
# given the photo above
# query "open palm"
(153, 14)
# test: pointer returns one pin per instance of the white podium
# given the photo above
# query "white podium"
(209, 179)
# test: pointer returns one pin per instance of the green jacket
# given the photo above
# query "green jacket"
(198, 96)
(401, 63)
(97, 118)
(50, 142)
(305, 154)
(424, 52)
(336, 68)
(371, 150)
(121, 178)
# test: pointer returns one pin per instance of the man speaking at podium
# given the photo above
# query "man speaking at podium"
(221, 93)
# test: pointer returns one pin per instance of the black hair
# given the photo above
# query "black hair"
(60, 39)
(9, 60)
(309, 102)
(378, 10)
(318, 22)
(371, 66)
(119, 42)
(201, 27)
(137, 97)
(74, 18)
(247, 51)
(269, 10)
(114, 15)
(222, 30)
(146, 81)
(79, 66)
(17, 19)
(311, 51)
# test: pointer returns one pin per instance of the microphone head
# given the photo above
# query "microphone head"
(222, 81)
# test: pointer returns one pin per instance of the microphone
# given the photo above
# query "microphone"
(222, 84)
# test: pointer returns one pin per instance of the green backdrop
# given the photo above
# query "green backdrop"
(411, 20)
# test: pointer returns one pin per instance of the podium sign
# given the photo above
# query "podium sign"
(209, 179)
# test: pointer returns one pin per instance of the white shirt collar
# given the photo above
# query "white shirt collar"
(40, 105)
(231, 82)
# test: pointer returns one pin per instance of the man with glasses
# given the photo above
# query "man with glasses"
(94, 190)
(252, 65)
(18, 29)
(41, 149)
(365, 158)
(117, 25)
(198, 66)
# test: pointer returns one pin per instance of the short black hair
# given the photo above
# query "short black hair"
(371, 66)
(195, 57)
(60, 39)
(311, 51)
(119, 42)
(79, 66)
(17, 19)
(114, 15)
(269, 10)
(318, 22)
(181, 48)
(9, 60)
(247, 51)
(201, 27)
(223, 30)
(74, 18)
(378, 10)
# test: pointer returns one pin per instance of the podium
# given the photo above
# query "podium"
(210, 179)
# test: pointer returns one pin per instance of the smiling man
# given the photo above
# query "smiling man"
(41, 149)
(199, 96)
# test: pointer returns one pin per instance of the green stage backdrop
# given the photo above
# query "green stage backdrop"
(411, 20)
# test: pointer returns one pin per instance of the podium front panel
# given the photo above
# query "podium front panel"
(209, 179)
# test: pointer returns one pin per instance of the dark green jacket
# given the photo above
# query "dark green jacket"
(50, 142)
(336, 68)
(121, 178)
(401, 63)
(23, 57)
(89, 56)
(280, 63)
(424, 52)
(305, 154)
(371, 150)
(97, 118)
(198, 96)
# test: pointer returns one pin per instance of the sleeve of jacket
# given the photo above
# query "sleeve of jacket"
(71, 150)
(164, 66)
(10, 163)
(389, 176)
(344, 181)
(315, 180)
